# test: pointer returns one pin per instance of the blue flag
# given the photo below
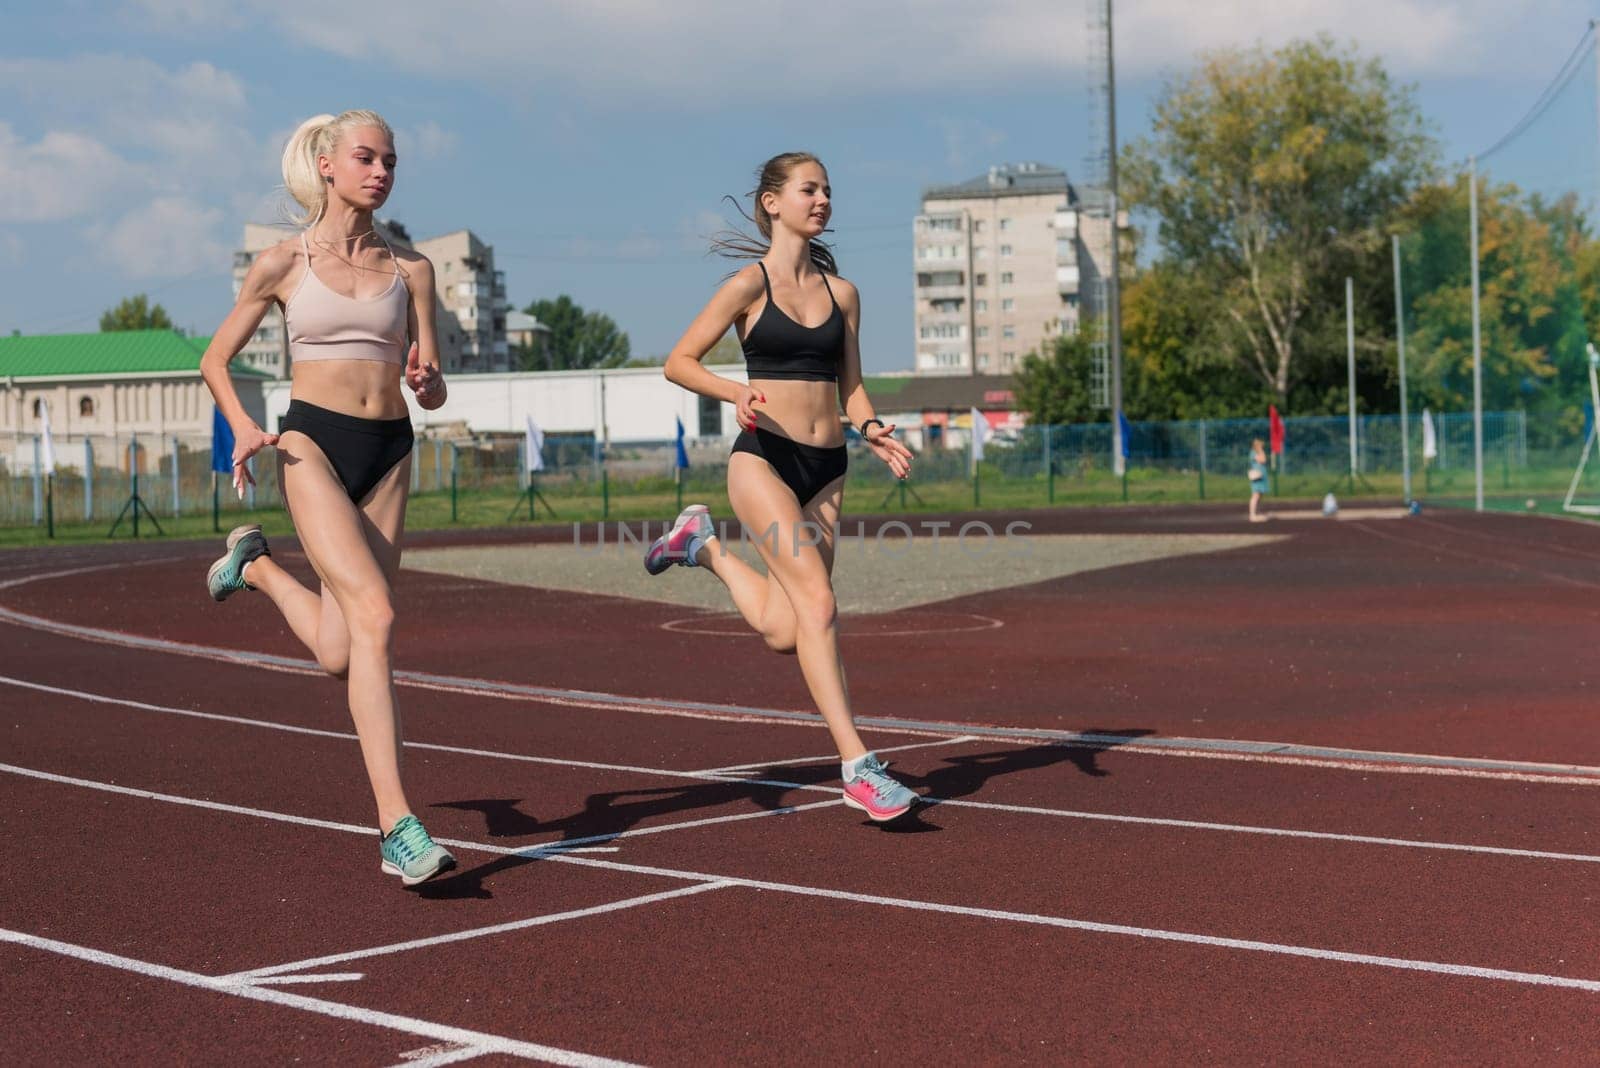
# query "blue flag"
(1127, 432)
(221, 443)
(683, 454)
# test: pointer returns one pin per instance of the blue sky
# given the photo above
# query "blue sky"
(591, 143)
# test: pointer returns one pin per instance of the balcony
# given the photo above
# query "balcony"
(1067, 279)
(1067, 223)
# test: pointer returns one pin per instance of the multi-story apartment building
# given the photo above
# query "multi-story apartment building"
(267, 350)
(470, 309)
(472, 336)
(1000, 264)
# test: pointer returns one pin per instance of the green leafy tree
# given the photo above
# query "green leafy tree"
(1171, 368)
(578, 339)
(135, 313)
(1272, 176)
(1053, 384)
(1537, 272)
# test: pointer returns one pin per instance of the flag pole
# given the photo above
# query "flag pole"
(1400, 337)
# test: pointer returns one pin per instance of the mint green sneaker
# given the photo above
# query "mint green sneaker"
(409, 853)
(226, 576)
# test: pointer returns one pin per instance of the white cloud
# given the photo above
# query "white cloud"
(703, 49)
(166, 238)
(60, 176)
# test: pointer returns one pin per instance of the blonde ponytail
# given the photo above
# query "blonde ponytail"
(318, 136)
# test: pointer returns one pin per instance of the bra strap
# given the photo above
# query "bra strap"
(766, 279)
(829, 288)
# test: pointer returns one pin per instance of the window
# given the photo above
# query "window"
(980, 305)
(983, 359)
(1005, 224)
(710, 417)
(1005, 250)
(1008, 304)
(943, 330)
(1005, 278)
(980, 251)
(85, 406)
(1009, 333)
(979, 225)
(946, 306)
(944, 223)
(1009, 357)
(983, 332)
(980, 279)
(38, 407)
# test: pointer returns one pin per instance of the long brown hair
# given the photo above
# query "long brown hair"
(770, 178)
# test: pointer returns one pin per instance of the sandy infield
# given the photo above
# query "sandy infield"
(870, 575)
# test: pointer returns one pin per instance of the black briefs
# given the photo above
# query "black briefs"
(361, 450)
(805, 469)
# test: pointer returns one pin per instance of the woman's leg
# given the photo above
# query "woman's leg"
(797, 547)
(354, 551)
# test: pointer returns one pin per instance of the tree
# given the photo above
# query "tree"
(1053, 386)
(1537, 274)
(1171, 368)
(578, 339)
(1272, 175)
(135, 313)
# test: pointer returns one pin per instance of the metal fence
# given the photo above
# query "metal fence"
(95, 479)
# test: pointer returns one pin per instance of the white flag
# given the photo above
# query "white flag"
(1430, 440)
(47, 447)
(533, 447)
(980, 434)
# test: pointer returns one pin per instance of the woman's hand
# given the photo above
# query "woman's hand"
(744, 406)
(245, 446)
(886, 447)
(426, 381)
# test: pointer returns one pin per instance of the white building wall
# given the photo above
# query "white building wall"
(640, 405)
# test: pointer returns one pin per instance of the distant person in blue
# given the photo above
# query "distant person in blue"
(1258, 479)
(797, 321)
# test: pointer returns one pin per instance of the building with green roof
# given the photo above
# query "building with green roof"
(109, 386)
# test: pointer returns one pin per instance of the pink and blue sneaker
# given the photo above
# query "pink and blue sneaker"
(872, 791)
(680, 544)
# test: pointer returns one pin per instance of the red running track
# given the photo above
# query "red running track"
(175, 820)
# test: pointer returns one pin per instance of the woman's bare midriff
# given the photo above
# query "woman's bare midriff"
(367, 389)
(807, 412)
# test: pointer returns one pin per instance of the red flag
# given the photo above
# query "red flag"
(1276, 423)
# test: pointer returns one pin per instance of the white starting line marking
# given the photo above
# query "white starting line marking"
(461, 1036)
(325, 977)
(259, 975)
(990, 806)
(470, 1038)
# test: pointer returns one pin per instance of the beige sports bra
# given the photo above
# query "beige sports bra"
(324, 325)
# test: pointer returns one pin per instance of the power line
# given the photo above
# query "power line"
(1564, 76)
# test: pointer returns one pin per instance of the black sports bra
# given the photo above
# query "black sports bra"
(778, 347)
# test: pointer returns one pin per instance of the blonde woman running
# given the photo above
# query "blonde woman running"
(799, 331)
(351, 304)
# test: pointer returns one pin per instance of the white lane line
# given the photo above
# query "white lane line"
(438, 1055)
(1156, 821)
(1293, 754)
(1158, 934)
(826, 758)
(314, 732)
(565, 845)
(255, 975)
(391, 1021)
(325, 977)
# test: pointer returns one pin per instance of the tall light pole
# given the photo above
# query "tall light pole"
(1114, 287)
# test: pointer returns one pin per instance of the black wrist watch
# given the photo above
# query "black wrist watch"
(868, 423)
